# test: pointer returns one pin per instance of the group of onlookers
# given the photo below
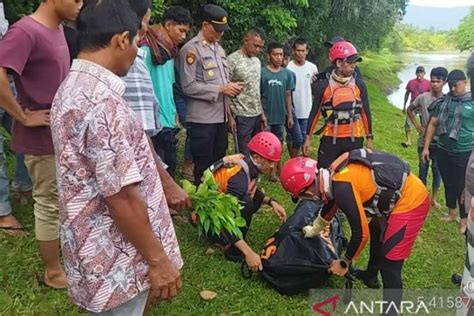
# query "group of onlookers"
(97, 133)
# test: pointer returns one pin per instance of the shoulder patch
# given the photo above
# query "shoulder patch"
(191, 56)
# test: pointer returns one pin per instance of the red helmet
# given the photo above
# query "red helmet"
(266, 145)
(298, 174)
(343, 50)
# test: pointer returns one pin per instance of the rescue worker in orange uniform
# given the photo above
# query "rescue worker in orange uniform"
(366, 184)
(237, 175)
(342, 99)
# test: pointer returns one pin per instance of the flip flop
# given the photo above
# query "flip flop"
(14, 231)
(42, 283)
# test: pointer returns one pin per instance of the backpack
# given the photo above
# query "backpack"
(388, 172)
(293, 264)
(341, 105)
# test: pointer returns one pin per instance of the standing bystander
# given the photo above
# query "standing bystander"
(244, 66)
(414, 88)
(35, 51)
(305, 72)
(420, 106)
(276, 85)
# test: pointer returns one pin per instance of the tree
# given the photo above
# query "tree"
(365, 23)
(15, 9)
(465, 34)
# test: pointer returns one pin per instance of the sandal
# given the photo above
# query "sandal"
(43, 285)
(14, 231)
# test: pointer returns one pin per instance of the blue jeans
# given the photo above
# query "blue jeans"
(424, 166)
(5, 206)
(22, 181)
(294, 134)
(181, 108)
(303, 127)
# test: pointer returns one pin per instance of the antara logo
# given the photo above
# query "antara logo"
(330, 301)
(369, 308)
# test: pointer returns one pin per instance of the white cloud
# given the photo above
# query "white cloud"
(442, 3)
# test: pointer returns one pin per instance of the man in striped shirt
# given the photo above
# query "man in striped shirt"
(141, 98)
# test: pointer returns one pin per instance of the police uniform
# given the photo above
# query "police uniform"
(202, 70)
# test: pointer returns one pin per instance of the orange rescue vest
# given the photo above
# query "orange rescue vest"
(341, 106)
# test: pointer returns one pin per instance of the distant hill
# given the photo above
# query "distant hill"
(438, 18)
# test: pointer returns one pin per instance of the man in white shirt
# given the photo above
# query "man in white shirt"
(305, 72)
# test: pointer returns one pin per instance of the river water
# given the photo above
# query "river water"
(428, 60)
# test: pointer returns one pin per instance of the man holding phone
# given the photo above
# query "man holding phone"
(204, 80)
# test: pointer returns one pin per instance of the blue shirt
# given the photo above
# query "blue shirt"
(163, 78)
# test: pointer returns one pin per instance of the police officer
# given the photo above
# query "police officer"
(204, 80)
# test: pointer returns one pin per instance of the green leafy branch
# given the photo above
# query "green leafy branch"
(215, 211)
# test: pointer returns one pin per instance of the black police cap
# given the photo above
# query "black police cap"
(217, 16)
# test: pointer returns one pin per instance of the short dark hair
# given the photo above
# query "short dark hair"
(439, 73)
(272, 46)
(300, 41)
(177, 14)
(140, 7)
(100, 20)
(255, 31)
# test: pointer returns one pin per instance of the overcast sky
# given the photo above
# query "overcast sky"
(442, 3)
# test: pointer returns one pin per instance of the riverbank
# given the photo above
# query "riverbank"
(381, 69)
(438, 252)
(429, 60)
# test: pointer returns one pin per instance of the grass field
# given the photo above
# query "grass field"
(438, 252)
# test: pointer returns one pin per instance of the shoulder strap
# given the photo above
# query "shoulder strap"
(245, 167)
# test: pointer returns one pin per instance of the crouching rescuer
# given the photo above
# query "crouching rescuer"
(373, 185)
(237, 175)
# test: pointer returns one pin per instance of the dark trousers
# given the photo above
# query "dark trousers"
(391, 270)
(452, 167)
(247, 127)
(165, 143)
(328, 152)
(208, 145)
(181, 108)
(424, 166)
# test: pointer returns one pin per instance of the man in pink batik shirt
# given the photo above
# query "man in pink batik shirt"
(117, 237)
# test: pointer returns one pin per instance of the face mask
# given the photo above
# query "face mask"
(259, 166)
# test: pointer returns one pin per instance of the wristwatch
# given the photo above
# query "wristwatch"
(270, 200)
